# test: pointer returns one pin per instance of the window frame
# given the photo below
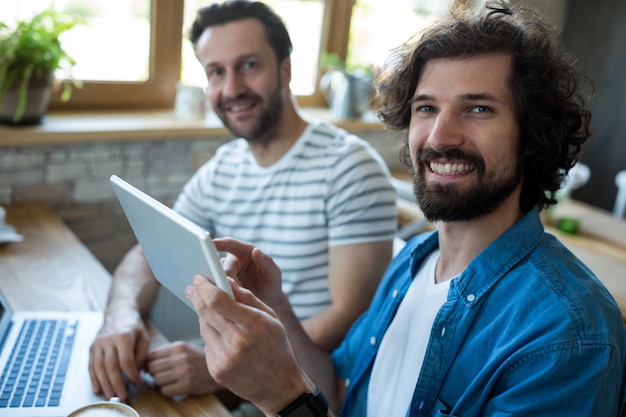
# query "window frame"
(159, 91)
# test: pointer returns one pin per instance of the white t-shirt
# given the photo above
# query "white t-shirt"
(330, 189)
(401, 354)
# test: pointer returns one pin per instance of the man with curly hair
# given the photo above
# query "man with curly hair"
(488, 315)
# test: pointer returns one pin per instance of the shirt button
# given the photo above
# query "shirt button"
(347, 382)
(372, 340)
(394, 294)
(443, 331)
(471, 297)
(421, 405)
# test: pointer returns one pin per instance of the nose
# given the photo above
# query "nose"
(233, 85)
(446, 131)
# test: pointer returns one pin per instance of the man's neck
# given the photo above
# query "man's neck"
(461, 242)
(282, 138)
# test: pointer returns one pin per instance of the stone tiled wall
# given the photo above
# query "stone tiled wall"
(73, 180)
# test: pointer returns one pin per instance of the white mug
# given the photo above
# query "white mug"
(190, 102)
(112, 408)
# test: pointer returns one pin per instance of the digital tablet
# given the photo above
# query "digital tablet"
(175, 247)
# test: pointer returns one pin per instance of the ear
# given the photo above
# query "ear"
(285, 72)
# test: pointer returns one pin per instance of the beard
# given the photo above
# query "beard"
(262, 129)
(450, 203)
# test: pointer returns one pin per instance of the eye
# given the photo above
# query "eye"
(423, 110)
(214, 73)
(249, 65)
(481, 109)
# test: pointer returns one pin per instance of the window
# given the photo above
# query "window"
(304, 23)
(137, 49)
(114, 44)
(370, 37)
(131, 63)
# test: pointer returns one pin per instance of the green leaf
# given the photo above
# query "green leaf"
(32, 48)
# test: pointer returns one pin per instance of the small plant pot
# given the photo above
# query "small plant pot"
(37, 101)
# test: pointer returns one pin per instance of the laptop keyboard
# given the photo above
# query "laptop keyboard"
(36, 370)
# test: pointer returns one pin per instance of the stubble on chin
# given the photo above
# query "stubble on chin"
(264, 127)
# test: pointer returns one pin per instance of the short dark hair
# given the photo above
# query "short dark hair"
(233, 10)
(550, 95)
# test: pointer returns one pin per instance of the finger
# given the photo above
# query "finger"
(246, 298)
(95, 360)
(99, 376)
(141, 353)
(209, 296)
(129, 365)
(265, 263)
(170, 390)
(236, 247)
(231, 266)
(155, 366)
(109, 375)
(219, 311)
(200, 289)
(164, 377)
(213, 307)
(160, 352)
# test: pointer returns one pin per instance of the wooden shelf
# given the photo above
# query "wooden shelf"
(82, 127)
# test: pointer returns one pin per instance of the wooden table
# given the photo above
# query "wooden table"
(52, 270)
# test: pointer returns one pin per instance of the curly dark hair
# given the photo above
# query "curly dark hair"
(233, 10)
(551, 96)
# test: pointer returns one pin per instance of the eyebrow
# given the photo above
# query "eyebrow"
(463, 97)
(238, 60)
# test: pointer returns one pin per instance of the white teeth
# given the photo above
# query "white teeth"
(239, 108)
(451, 169)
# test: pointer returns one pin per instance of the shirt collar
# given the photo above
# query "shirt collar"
(493, 262)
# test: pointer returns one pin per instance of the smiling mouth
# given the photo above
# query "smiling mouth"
(239, 107)
(450, 168)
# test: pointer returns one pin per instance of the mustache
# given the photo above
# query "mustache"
(429, 154)
(233, 101)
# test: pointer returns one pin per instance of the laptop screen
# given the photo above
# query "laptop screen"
(5, 319)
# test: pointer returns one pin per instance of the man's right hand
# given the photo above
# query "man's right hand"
(119, 351)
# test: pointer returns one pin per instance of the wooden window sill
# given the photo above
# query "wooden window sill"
(82, 127)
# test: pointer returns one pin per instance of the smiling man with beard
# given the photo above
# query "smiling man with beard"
(247, 84)
(315, 197)
(488, 315)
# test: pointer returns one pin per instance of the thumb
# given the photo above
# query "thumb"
(246, 297)
(266, 264)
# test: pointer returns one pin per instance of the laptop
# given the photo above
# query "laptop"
(44, 357)
(176, 248)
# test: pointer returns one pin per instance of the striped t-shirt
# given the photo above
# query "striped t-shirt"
(331, 188)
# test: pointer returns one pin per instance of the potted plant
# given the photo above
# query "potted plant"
(29, 55)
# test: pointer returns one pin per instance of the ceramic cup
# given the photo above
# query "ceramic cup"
(111, 408)
(190, 102)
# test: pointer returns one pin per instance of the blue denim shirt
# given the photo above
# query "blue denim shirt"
(527, 329)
